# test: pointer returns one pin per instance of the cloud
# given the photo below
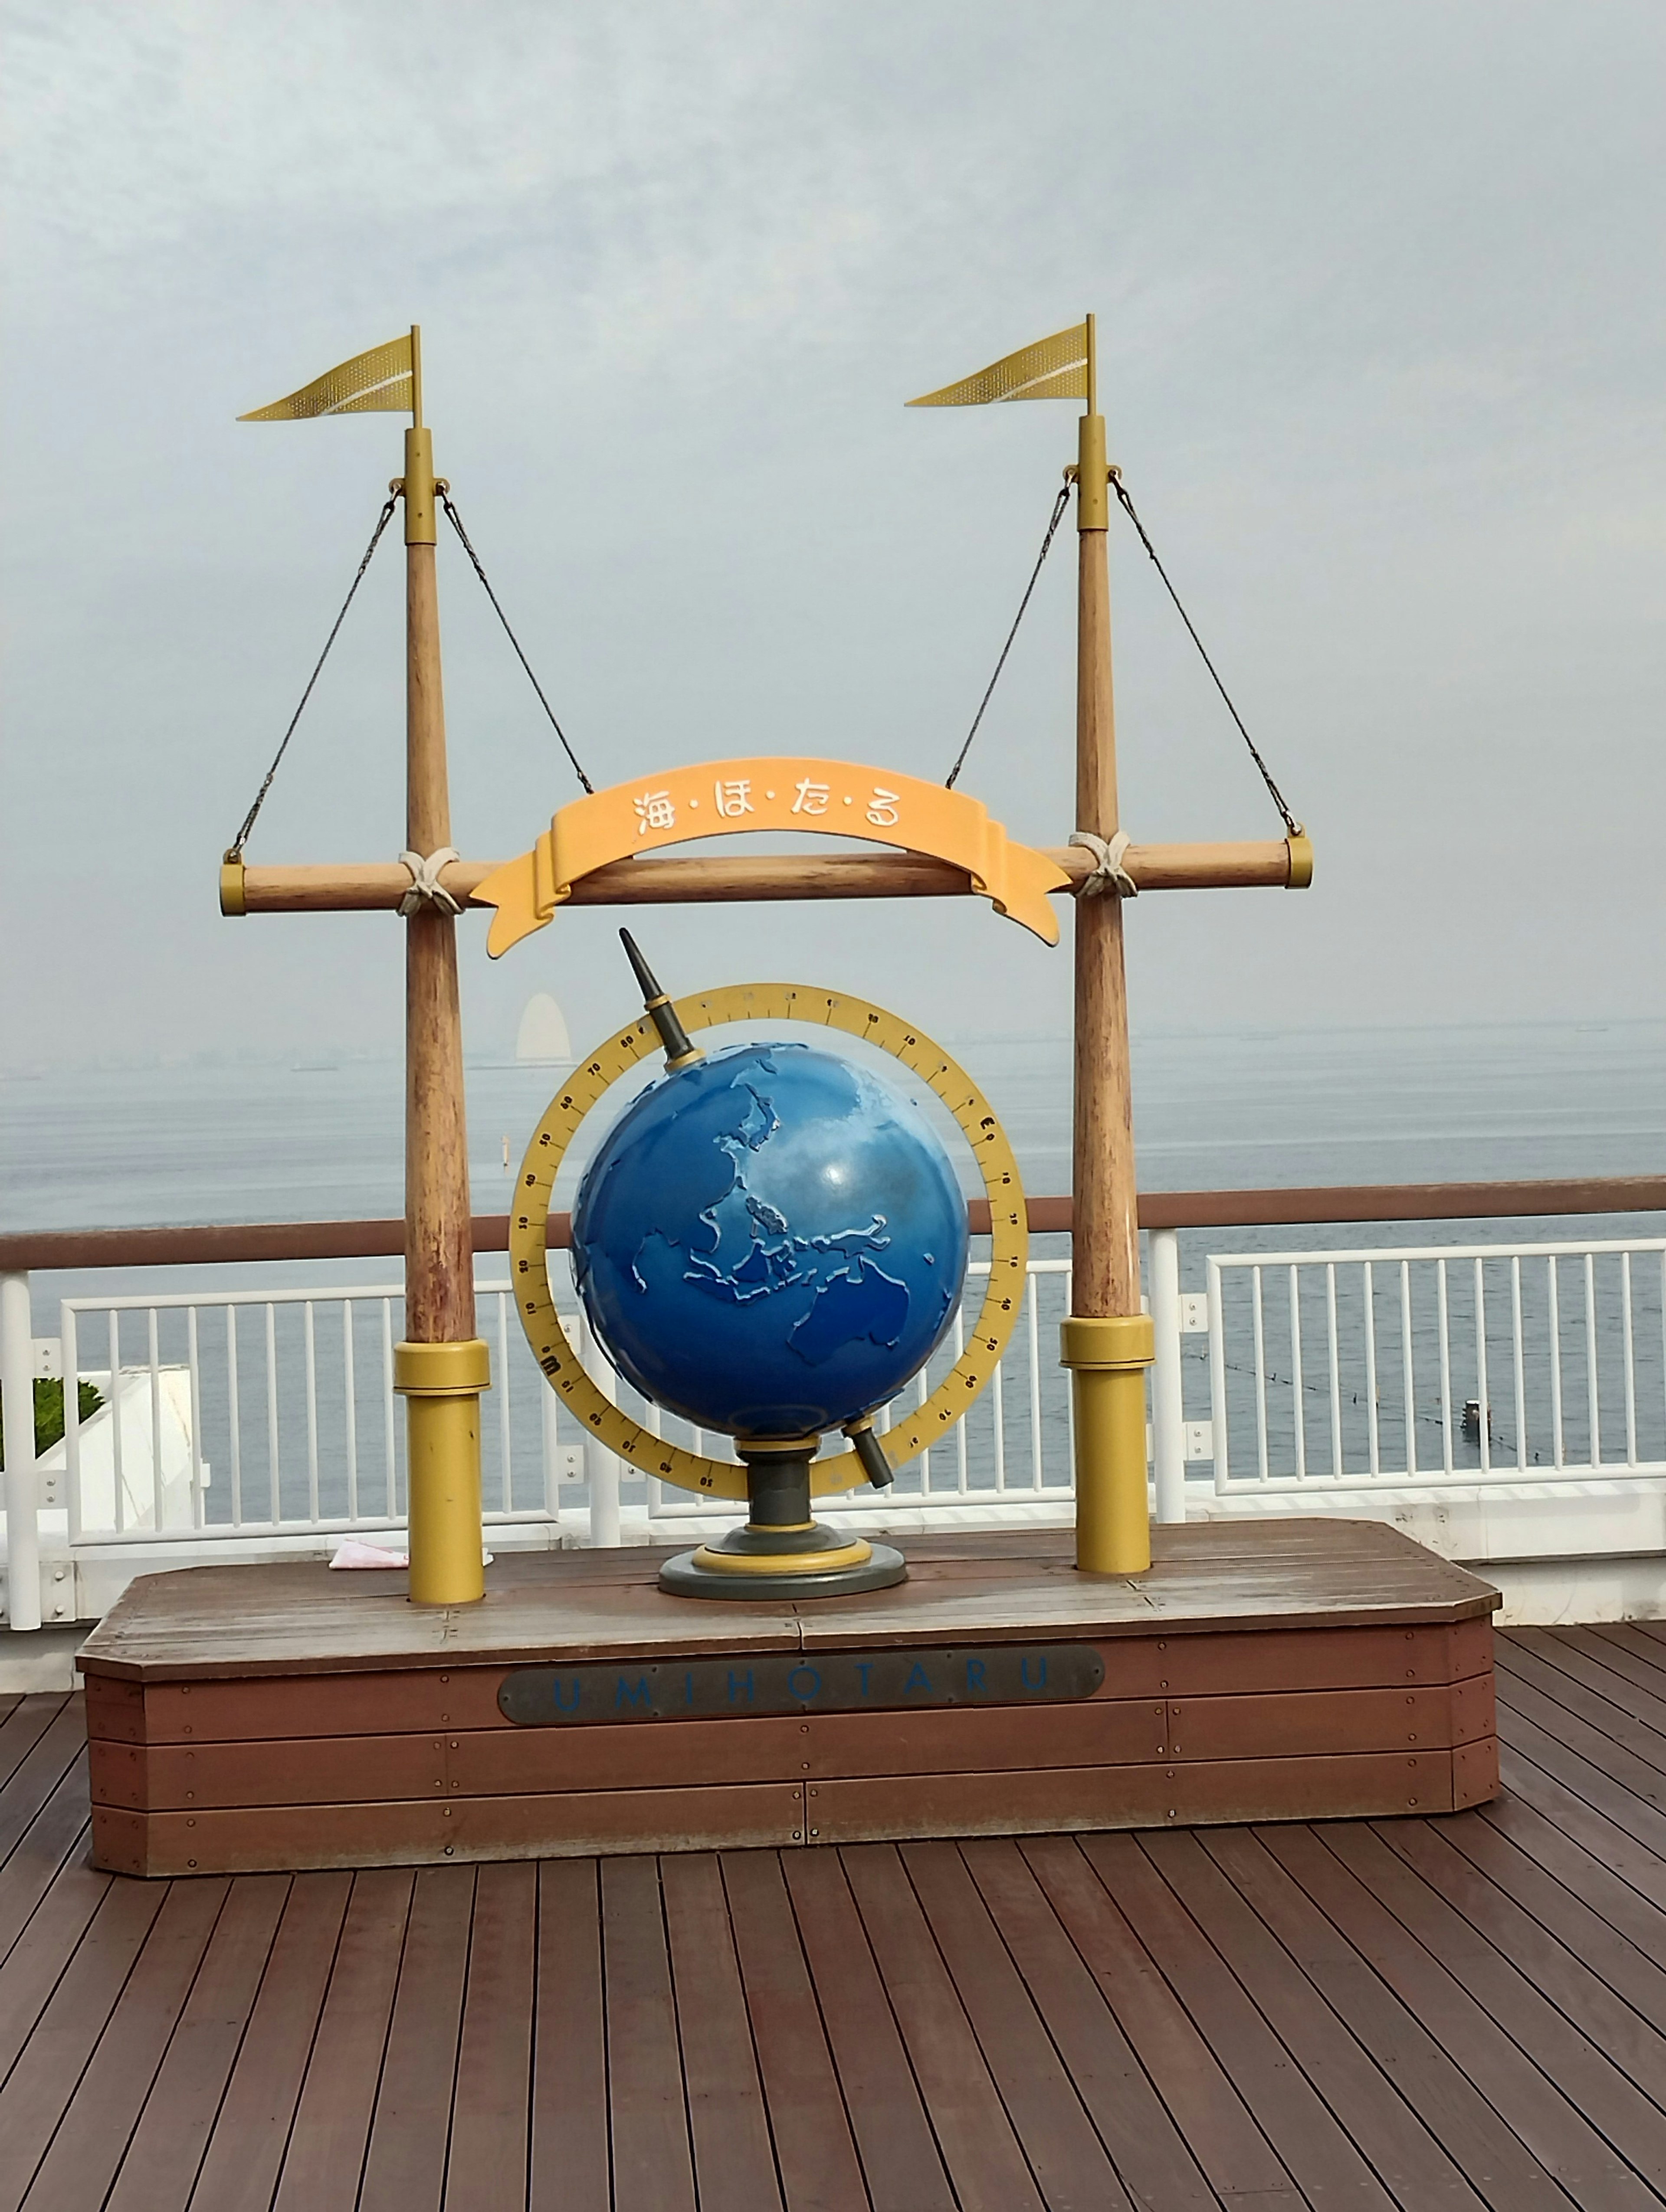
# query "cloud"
(1381, 326)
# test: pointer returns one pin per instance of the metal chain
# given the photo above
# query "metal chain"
(456, 522)
(1291, 825)
(234, 850)
(1059, 506)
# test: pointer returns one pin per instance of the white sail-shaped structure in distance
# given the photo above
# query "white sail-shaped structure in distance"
(543, 1036)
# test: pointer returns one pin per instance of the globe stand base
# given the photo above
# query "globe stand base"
(781, 1553)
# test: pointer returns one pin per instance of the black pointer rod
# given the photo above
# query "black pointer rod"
(870, 1452)
(680, 1053)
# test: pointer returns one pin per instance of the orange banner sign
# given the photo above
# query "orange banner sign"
(876, 805)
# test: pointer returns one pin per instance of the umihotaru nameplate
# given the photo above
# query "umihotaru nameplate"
(789, 1682)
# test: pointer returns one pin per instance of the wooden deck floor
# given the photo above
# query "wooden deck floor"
(1445, 2013)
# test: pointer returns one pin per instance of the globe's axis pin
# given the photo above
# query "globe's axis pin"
(680, 1053)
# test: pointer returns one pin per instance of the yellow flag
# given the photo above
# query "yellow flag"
(1052, 368)
(381, 381)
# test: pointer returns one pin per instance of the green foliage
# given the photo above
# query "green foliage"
(49, 1412)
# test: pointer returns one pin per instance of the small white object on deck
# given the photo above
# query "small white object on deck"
(356, 1553)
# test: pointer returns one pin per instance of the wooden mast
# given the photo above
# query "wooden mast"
(442, 1366)
(1106, 1341)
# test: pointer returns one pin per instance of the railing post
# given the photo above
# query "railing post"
(601, 1468)
(550, 1449)
(23, 1505)
(1218, 1422)
(1167, 1412)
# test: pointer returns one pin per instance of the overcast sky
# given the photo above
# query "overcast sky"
(1380, 297)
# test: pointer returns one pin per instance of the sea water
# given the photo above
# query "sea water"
(118, 1147)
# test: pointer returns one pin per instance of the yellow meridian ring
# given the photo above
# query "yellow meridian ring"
(754, 1003)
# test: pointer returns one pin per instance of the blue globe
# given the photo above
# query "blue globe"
(769, 1242)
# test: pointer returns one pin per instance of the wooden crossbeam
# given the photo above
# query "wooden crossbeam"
(340, 887)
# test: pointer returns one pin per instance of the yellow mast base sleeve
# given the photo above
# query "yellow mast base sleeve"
(441, 1385)
(1108, 1359)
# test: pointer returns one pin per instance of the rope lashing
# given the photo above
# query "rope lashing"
(426, 888)
(234, 850)
(1059, 506)
(1293, 827)
(1108, 873)
(463, 539)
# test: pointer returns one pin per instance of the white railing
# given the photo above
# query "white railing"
(256, 1413)
(259, 1413)
(1450, 1364)
(236, 1416)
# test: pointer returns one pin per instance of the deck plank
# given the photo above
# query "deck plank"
(325, 2162)
(1556, 1853)
(1065, 2155)
(55, 1832)
(1508, 1899)
(1593, 1780)
(1205, 2103)
(244, 2157)
(1519, 1669)
(25, 1724)
(734, 2161)
(1631, 1637)
(1146, 2148)
(814, 2152)
(1601, 1667)
(404, 2167)
(97, 2123)
(1549, 2006)
(652, 2158)
(1406, 2157)
(894, 2138)
(1496, 2163)
(571, 2164)
(61, 1746)
(487, 2168)
(84, 1990)
(1613, 1848)
(38, 1959)
(1306, 2135)
(979, 2144)
(168, 2144)
(1571, 2151)
(1521, 1700)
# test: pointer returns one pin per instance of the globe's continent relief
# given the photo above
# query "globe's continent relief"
(771, 1242)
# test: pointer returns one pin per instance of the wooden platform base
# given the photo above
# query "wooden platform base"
(272, 1717)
